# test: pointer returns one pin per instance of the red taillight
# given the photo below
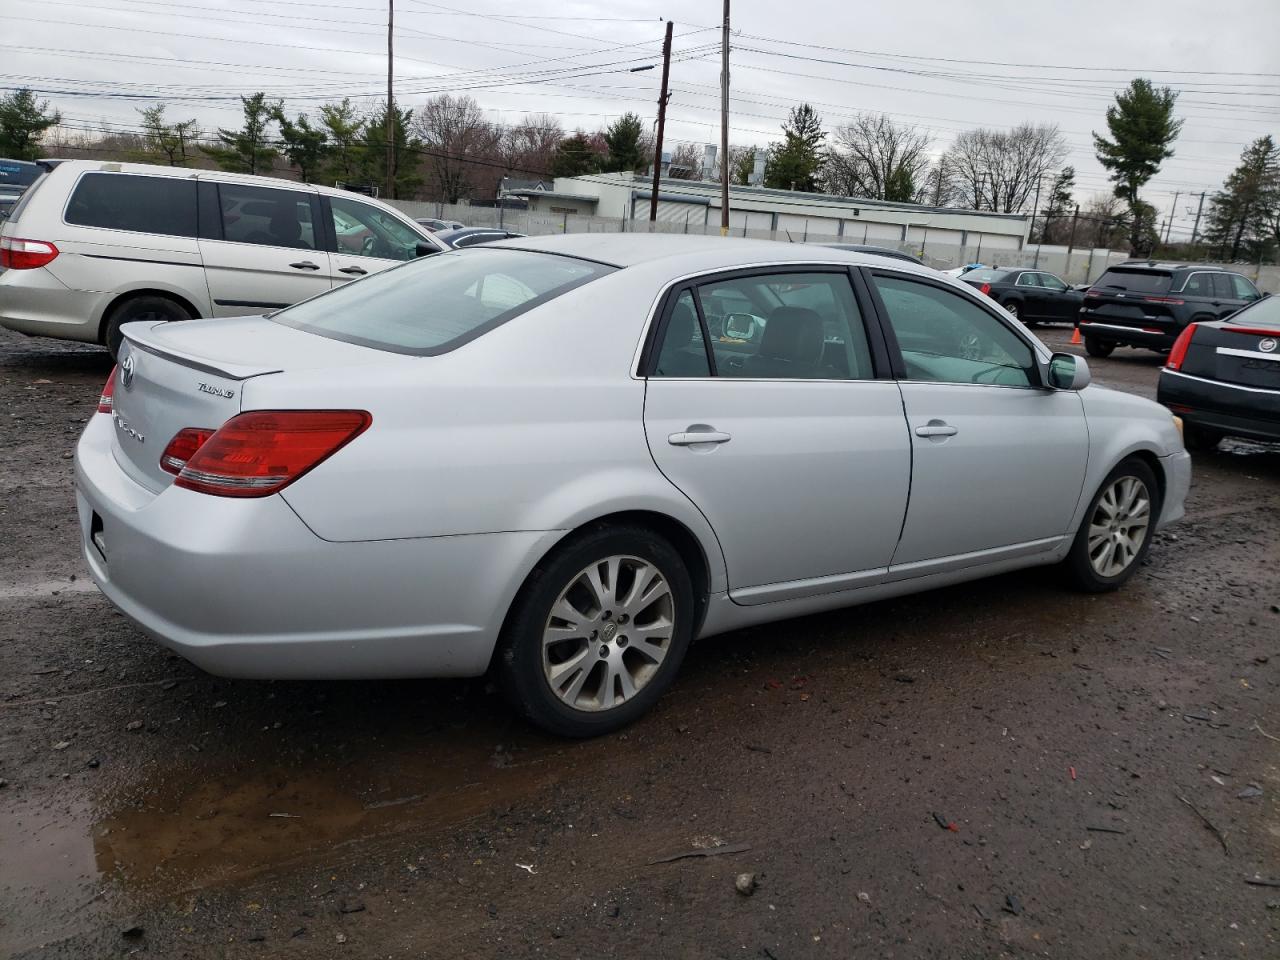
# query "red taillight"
(1255, 331)
(259, 453)
(1180, 346)
(1174, 300)
(105, 402)
(19, 254)
(183, 447)
(985, 288)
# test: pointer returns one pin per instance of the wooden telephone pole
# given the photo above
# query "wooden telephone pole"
(389, 188)
(724, 123)
(663, 97)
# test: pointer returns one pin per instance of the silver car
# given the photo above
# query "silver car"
(562, 459)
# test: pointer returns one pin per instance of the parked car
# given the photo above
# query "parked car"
(1223, 377)
(470, 236)
(17, 175)
(94, 246)
(535, 457)
(434, 225)
(7, 203)
(878, 251)
(961, 271)
(1141, 303)
(1033, 296)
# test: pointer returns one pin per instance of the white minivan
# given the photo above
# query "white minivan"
(92, 246)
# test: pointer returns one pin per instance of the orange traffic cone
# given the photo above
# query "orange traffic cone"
(1075, 336)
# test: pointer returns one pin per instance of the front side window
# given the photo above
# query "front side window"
(266, 216)
(948, 339)
(1241, 288)
(432, 305)
(364, 230)
(122, 201)
(1050, 282)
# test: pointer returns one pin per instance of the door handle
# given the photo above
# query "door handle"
(690, 437)
(359, 271)
(305, 265)
(936, 428)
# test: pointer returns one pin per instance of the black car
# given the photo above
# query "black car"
(1223, 377)
(1033, 296)
(1141, 303)
(872, 248)
(17, 175)
(470, 236)
(7, 203)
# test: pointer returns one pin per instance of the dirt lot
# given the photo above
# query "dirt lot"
(999, 769)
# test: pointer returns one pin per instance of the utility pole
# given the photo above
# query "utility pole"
(389, 188)
(1071, 243)
(1035, 205)
(724, 124)
(663, 97)
(1172, 213)
(1195, 231)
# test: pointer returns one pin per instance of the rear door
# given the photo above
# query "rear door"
(1027, 287)
(262, 246)
(365, 238)
(998, 461)
(780, 430)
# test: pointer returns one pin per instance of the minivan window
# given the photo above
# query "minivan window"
(1117, 279)
(266, 216)
(126, 201)
(365, 231)
(433, 305)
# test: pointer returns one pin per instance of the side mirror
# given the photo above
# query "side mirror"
(740, 326)
(424, 249)
(1066, 371)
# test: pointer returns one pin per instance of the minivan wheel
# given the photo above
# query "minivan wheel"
(1098, 348)
(149, 308)
(1116, 531)
(598, 632)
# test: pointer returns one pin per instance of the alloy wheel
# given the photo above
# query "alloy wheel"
(608, 633)
(1119, 526)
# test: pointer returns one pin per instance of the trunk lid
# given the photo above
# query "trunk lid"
(1234, 354)
(1133, 298)
(177, 375)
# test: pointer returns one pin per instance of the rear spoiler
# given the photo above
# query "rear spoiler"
(149, 337)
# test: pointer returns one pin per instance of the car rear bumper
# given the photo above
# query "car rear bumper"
(1131, 336)
(243, 588)
(35, 302)
(1252, 412)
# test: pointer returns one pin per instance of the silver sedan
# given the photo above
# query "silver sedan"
(562, 459)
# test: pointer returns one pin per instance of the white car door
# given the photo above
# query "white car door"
(368, 238)
(998, 461)
(793, 449)
(261, 246)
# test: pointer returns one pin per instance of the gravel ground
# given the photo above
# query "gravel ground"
(999, 769)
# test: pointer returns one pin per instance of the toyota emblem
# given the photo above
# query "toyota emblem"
(126, 372)
(1268, 345)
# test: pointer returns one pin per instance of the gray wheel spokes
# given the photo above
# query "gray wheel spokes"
(1119, 526)
(608, 633)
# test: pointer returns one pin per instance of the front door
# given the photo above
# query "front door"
(778, 429)
(998, 461)
(263, 250)
(1061, 303)
(367, 239)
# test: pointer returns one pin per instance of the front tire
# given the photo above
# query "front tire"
(148, 308)
(1098, 348)
(1116, 531)
(598, 632)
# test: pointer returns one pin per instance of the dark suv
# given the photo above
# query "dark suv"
(1141, 303)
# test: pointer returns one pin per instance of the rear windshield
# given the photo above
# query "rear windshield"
(19, 173)
(1263, 313)
(433, 305)
(1134, 281)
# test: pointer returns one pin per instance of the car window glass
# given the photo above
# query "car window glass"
(794, 326)
(945, 337)
(163, 205)
(1198, 285)
(683, 352)
(266, 216)
(1222, 289)
(1242, 288)
(1050, 282)
(1028, 280)
(364, 230)
(1133, 281)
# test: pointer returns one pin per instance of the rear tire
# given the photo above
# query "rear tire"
(598, 632)
(1098, 348)
(1199, 440)
(152, 308)
(1115, 532)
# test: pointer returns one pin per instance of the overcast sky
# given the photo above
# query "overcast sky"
(939, 64)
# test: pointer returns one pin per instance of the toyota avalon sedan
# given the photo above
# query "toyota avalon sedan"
(535, 457)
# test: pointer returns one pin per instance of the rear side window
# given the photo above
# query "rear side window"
(433, 305)
(1119, 280)
(123, 201)
(266, 216)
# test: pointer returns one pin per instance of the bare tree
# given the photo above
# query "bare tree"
(529, 146)
(874, 157)
(454, 136)
(686, 162)
(998, 169)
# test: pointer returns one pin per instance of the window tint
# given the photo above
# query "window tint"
(1028, 279)
(119, 201)
(266, 216)
(433, 305)
(1050, 282)
(795, 326)
(946, 338)
(1198, 285)
(1222, 289)
(1241, 288)
(364, 230)
(683, 353)
(1133, 281)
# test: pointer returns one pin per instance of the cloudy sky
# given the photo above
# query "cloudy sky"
(941, 65)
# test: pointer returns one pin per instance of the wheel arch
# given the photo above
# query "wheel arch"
(127, 295)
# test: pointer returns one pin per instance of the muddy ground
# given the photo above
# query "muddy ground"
(1000, 769)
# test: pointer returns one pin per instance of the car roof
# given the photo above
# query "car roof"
(1139, 265)
(712, 252)
(872, 248)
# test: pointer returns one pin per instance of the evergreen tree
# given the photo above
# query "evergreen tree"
(1059, 204)
(623, 139)
(305, 146)
(23, 121)
(1244, 210)
(1142, 128)
(342, 127)
(249, 149)
(171, 142)
(574, 157)
(796, 163)
(406, 153)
